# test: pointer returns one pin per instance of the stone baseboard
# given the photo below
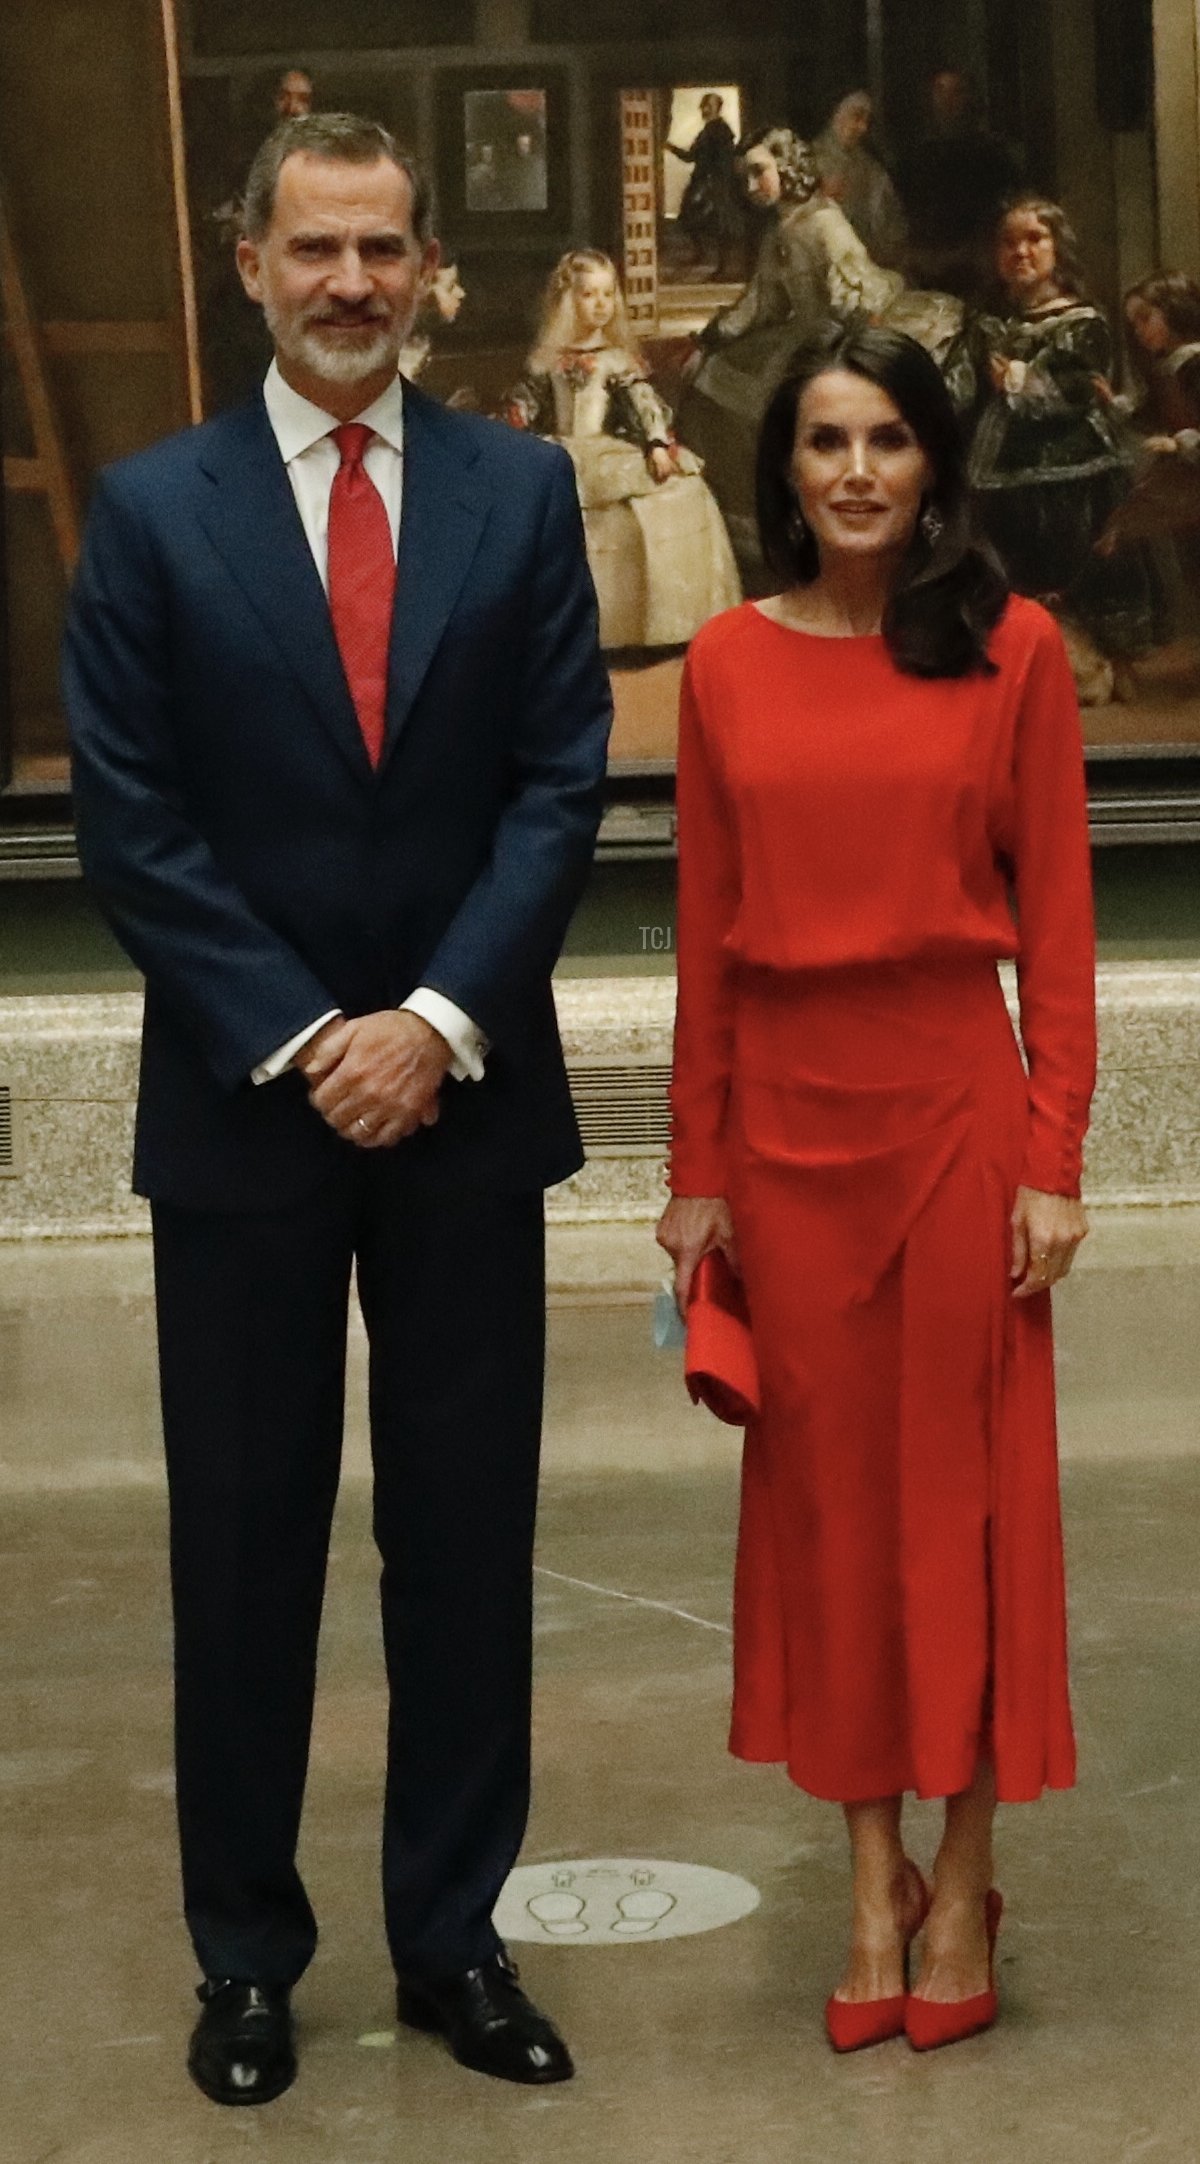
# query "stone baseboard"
(70, 1064)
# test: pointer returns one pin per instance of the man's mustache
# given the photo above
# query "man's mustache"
(350, 316)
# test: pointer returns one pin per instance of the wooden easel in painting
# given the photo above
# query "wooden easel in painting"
(46, 473)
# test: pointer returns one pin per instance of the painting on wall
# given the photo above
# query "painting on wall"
(634, 257)
(505, 165)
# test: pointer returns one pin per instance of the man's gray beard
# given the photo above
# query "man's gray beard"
(335, 364)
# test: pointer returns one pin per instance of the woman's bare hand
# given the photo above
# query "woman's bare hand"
(1046, 1230)
(690, 1226)
(660, 462)
(1161, 446)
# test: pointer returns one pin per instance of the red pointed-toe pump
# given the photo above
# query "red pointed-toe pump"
(852, 2024)
(930, 2023)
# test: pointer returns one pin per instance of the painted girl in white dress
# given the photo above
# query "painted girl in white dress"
(656, 542)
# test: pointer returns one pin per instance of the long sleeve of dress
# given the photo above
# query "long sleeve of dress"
(636, 412)
(709, 894)
(854, 283)
(530, 404)
(1056, 966)
(1061, 376)
(1047, 422)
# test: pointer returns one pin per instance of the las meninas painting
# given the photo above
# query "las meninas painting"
(637, 239)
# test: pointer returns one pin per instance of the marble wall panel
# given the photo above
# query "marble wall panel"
(71, 1064)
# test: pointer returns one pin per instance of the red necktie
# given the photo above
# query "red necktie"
(362, 582)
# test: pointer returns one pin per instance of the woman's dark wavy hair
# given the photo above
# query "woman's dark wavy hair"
(951, 590)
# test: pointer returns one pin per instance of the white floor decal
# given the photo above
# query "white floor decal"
(614, 1901)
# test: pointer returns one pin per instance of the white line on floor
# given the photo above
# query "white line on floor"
(635, 1600)
(1156, 1788)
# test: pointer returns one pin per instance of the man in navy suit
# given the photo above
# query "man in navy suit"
(339, 718)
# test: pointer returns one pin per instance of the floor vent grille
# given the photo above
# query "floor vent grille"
(621, 1106)
(8, 1147)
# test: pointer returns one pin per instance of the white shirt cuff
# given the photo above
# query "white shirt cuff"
(465, 1039)
(279, 1062)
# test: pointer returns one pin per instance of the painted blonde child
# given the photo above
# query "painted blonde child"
(657, 545)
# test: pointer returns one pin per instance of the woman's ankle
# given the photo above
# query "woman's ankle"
(888, 1906)
(963, 1873)
(879, 1882)
(962, 1887)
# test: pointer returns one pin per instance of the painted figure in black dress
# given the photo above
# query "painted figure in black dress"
(1048, 461)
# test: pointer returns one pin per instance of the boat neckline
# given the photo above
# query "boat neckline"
(824, 638)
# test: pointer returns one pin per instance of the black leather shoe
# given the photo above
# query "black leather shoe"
(242, 2051)
(488, 2023)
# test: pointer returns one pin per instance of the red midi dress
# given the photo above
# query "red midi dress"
(858, 849)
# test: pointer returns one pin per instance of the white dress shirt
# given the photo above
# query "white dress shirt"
(304, 435)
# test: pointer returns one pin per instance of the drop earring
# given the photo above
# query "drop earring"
(797, 525)
(933, 526)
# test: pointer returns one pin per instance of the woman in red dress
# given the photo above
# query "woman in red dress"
(881, 796)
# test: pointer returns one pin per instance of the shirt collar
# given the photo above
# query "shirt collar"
(298, 424)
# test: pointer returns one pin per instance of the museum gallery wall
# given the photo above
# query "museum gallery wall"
(643, 212)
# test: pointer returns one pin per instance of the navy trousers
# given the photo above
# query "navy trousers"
(252, 1312)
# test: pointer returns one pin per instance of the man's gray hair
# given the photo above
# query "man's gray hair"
(328, 135)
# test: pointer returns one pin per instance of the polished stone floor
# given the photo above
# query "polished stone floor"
(695, 2050)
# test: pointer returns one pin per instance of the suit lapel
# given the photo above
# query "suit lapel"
(444, 513)
(250, 516)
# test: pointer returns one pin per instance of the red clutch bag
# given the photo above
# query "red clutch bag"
(719, 1366)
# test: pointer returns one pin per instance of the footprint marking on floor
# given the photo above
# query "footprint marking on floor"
(644, 1909)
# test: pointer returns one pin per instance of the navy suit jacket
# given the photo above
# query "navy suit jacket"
(252, 863)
